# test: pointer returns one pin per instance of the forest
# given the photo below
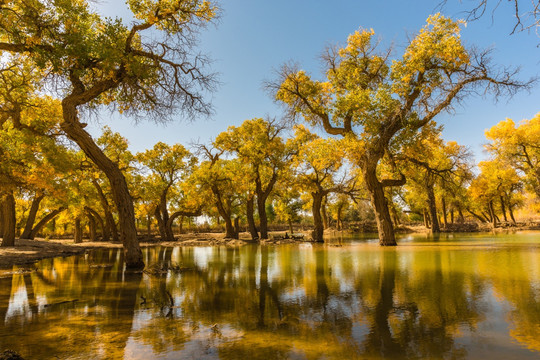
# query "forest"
(360, 145)
(346, 227)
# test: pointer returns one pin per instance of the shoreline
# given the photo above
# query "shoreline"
(27, 252)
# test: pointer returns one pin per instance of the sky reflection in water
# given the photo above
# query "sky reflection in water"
(457, 296)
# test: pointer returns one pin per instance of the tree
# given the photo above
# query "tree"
(517, 146)
(166, 166)
(321, 170)
(99, 61)
(216, 179)
(526, 14)
(376, 103)
(257, 143)
(436, 165)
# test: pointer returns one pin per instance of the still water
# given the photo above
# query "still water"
(453, 297)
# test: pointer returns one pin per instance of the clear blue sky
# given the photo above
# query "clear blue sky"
(254, 37)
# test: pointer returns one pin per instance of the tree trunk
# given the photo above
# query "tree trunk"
(98, 218)
(426, 219)
(324, 213)
(124, 203)
(503, 209)
(173, 217)
(35, 231)
(290, 226)
(445, 217)
(91, 227)
(110, 225)
(161, 223)
(511, 213)
(149, 225)
(32, 216)
(237, 227)
(380, 206)
(452, 215)
(169, 236)
(77, 232)
(318, 233)
(250, 209)
(461, 217)
(263, 219)
(435, 228)
(9, 220)
(492, 214)
(338, 218)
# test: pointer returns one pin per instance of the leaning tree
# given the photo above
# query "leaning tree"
(377, 103)
(150, 67)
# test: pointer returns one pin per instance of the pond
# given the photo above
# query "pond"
(451, 297)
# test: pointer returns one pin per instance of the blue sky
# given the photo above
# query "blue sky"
(254, 37)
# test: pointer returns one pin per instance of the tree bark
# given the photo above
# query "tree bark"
(318, 232)
(77, 232)
(435, 228)
(110, 225)
(98, 218)
(9, 220)
(169, 236)
(492, 214)
(426, 219)
(124, 203)
(237, 227)
(149, 225)
(35, 231)
(225, 214)
(324, 213)
(176, 214)
(461, 216)
(380, 206)
(91, 227)
(445, 217)
(262, 195)
(511, 213)
(250, 209)
(503, 209)
(32, 216)
(161, 223)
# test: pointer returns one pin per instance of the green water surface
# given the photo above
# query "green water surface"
(453, 297)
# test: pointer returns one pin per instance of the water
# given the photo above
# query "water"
(455, 297)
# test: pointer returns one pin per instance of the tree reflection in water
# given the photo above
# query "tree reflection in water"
(314, 302)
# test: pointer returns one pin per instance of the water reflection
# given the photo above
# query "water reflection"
(453, 298)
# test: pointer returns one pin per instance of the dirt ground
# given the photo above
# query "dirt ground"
(29, 251)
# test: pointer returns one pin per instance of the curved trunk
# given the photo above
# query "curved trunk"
(97, 218)
(380, 207)
(503, 209)
(169, 236)
(435, 228)
(9, 220)
(110, 225)
(124, 203)
(77, 233)
(225, 214)
(91, 227)
(32, 216)
(176, 214)
(318, 233)
(35, 231)
(161, 223)
(426, 219)
(492, 214)
(250, 209)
